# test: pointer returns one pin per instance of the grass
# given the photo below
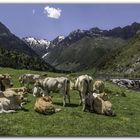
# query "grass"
(71, 121)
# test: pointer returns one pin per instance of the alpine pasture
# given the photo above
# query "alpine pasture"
(71, 121)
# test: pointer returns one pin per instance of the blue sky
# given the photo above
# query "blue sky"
(32, 20)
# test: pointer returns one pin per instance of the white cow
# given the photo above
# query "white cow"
(83, 84)
(28, 79)
(58, 84)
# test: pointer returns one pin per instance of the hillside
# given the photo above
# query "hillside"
(85, 49)
(17, 54)
(125, 59)
(83, 54)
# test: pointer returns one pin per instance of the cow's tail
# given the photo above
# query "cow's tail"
(58, 110)
(67, 86)
(7, 111)
(87, 85)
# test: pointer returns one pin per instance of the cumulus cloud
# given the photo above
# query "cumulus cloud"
(52, 12)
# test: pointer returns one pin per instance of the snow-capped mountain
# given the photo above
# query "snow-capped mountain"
(40, 46)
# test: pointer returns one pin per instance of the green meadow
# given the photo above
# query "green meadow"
(71, 121)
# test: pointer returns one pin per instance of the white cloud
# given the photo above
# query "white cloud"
(33, 11)
(52, 12)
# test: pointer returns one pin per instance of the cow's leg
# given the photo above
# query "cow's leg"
(80, 102)
(64, 98)
(83, 102)
(68, 95)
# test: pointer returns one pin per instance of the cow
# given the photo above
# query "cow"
(5, 82)
(99, 86)
(19, 89)
(10, 101)
(44, 105)
(28, 79)
(94, 103)
(58, 84)
(83, 84)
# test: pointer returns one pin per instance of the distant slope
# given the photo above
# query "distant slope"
(125, 59)
(17, 54)
(85, 49)
(83, 54)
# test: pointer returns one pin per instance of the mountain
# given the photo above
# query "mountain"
(85, 49)
(124, 59)
(83, 54)
(40, 46)
(15, 53)
(126, 32)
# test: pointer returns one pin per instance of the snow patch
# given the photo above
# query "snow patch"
(45, 55)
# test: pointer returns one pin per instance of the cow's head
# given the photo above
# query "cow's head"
(72, 84)
(47, 99)
(6, 80)
(103, 96)
(108, 109)
(23, 89)
(19, 97)
(38, 91)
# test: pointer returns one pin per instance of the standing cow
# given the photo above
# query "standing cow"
(58, 84)
(99, 86)
(27, 79)
(83, 84)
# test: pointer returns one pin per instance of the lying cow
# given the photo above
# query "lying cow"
(10, 101)
(44, 105)
(27, 79)
(19, 89)
(94, 103)
(99, 86)
(59, 84)
(5, 82)
(83, 84)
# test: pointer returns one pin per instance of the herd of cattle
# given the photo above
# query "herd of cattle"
(92, 95)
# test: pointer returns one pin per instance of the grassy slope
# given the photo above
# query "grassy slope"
(71, 121)
(125, 58)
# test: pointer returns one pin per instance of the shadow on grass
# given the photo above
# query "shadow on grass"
(67, 104)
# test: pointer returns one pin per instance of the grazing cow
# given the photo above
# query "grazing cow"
(10, 101)
(44, 105)
(94, 103)
(83, 84)
(5, 82)
(58, 84)
(99, 86)
(27, 79)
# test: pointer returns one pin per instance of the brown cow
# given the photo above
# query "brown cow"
(5, 82)
(99, 86)
(94, 103)
(44, 105)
